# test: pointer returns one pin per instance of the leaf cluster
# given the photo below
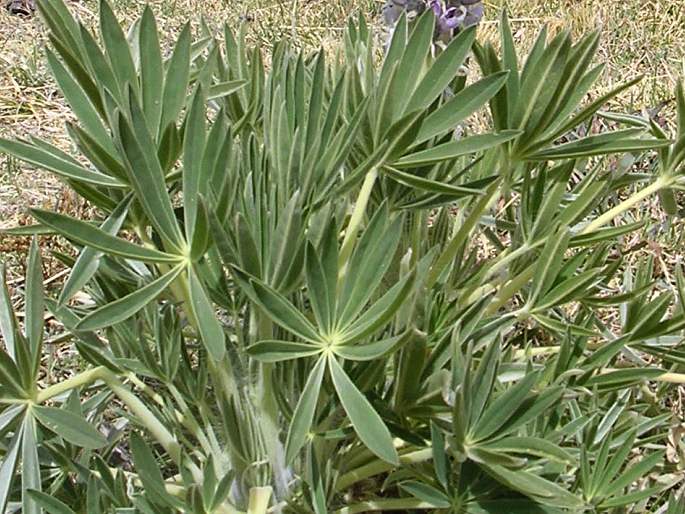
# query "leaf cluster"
(318, 286)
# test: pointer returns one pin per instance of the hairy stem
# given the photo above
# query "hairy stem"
(356, 220)
(259, 500)
(85, 378)
(659, 184)
(378, 466)
(402, 504)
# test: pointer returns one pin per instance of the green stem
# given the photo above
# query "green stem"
(87, 377)
(403, 504)
(356, 220)
(660, 183)
(378, 466)
(452, 248)
(145, 416)
(502, 261)
(259, 500)
(511, 288)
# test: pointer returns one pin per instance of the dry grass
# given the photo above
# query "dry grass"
(639, 37)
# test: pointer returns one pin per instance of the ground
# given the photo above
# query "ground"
(638, 37)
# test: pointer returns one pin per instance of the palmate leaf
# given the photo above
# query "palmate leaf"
(443, 315)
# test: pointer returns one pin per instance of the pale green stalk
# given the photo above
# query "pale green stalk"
(468, 224)
(259, 500)
(155, 426)
(146, 417)
(379, 466)
(261, 329)
(659, 184)
(510, 289)
(403, 504)
(355, 221)
(84, 378)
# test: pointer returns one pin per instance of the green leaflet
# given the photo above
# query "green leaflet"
(534, 486)
(151, 70)
(447, 151)
(210, 328)
(150, 474)
(597, 145)
(69, 426)
(304, 411)
(146, 174)
(442, 72)
(30, 476)
(277, 351)
(283, 312)
(368, 351)
(461, 106)
(35, 305)
(88, 260)
(365, 420)
(49, 503)
(89, 235)
(57, 164)
(427, 493)
(128, 305)
(378, 313)
(9, 465)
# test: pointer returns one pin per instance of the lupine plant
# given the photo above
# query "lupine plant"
(307, 292)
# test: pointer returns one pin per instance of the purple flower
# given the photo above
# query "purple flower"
(451, 16)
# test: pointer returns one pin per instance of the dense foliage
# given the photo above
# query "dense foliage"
(344, 283)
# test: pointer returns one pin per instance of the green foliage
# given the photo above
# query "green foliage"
(316, 287)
